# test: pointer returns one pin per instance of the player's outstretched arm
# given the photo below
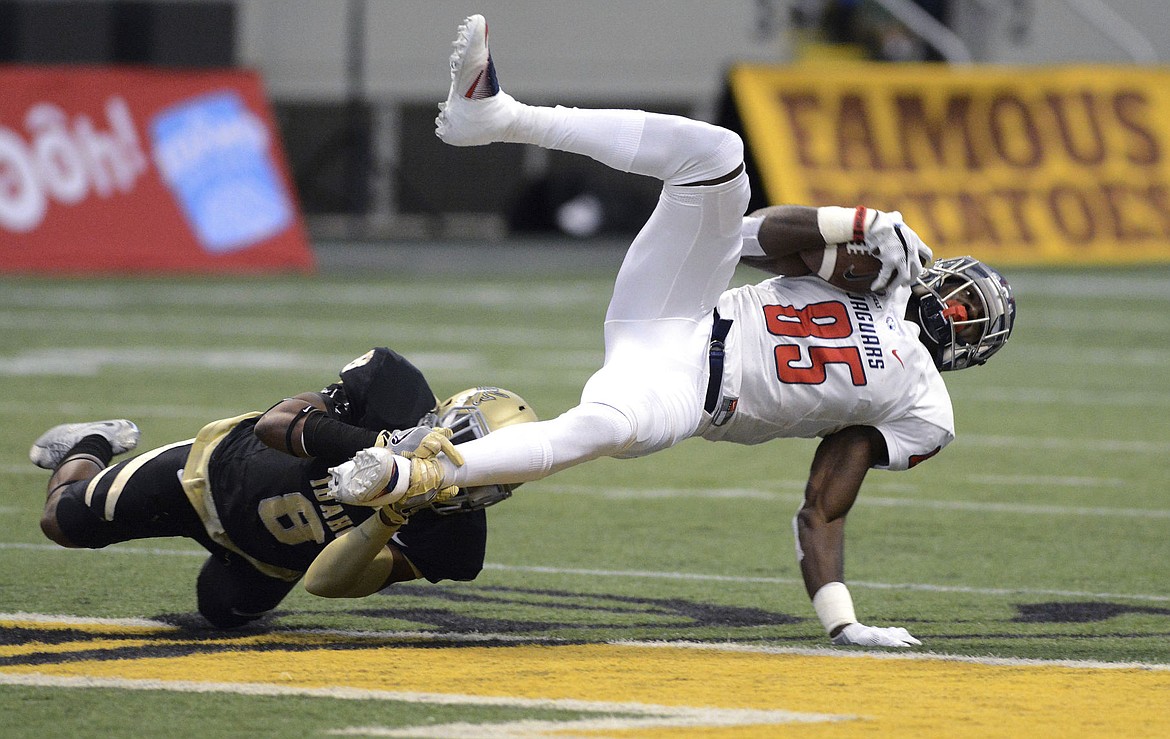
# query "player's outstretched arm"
(302, 426)
(359, 562)
(838, 469)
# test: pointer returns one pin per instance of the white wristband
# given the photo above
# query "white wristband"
(843, 225)
(749, 232)
(834, 606)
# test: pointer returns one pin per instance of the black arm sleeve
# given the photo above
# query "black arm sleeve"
(329, 439)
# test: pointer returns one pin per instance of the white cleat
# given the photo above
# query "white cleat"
(364, 479)
(476, 111)
(52, 446)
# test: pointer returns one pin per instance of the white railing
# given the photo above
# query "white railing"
(1117, 29)
(1097, 14)
(928, 28)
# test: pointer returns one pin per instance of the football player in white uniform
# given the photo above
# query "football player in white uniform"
(686, 357)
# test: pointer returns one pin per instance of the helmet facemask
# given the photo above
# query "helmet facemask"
(473, 414)
(966, 311)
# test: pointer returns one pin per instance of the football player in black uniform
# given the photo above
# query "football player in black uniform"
(253, 489)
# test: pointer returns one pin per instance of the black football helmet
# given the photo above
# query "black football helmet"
(965, 309)
(472, 414)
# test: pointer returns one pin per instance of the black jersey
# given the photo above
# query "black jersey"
(277, 509)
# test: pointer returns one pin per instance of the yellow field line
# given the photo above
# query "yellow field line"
(666, 689)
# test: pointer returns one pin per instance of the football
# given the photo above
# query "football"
(848, 266)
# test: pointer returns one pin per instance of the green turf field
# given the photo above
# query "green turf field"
(1042, 532)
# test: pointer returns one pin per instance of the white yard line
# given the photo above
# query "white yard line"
(641, 715)
(83, 409)
(1018, 509)
(1098, 446)
(84, 362)
(896, 655)
(116, 549)
(405, 294)
(794, 487)
(1092, 284)
(146, 324)
(924, 587)
(647, 574)
(1055, 481)
(672, 717)
(1048, 396)
(90, 360)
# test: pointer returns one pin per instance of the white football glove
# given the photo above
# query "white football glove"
(901, 252)
(874, 636)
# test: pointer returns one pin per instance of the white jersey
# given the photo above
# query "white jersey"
(805, 359)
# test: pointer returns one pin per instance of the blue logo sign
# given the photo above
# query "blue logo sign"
(213, 154)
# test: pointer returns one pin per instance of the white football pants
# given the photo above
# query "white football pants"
(649, 394)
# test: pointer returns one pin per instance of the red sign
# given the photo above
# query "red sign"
(133, 170)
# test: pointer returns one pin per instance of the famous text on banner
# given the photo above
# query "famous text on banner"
(1047, 165)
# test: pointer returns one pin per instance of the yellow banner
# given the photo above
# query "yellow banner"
(1037, 165)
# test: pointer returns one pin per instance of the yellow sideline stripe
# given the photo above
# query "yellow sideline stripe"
(920, 697)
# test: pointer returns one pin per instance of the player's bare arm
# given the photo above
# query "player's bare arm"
(282, 426)
(788, 229)
(303, 427)
(775, 236)
(361, 561)
(838, 469)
